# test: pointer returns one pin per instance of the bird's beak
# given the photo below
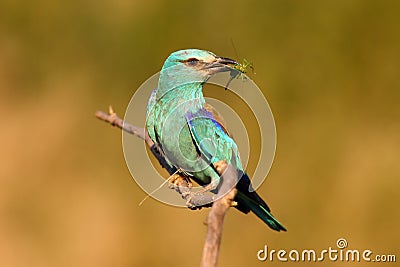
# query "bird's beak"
(221, 64)
(226, 61)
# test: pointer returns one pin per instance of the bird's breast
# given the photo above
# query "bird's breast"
(174, 135)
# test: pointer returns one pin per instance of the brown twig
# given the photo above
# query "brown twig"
(112, 118)
(215, 219)
(223, 199)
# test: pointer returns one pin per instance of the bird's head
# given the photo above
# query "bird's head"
(192, 66)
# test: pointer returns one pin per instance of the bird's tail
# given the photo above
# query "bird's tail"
(262, 212)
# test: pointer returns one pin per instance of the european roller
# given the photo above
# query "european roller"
(191, 133)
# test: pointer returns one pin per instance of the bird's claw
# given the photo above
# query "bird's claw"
(176, 180)
(220, 166)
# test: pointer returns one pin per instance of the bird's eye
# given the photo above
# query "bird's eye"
(192, 61)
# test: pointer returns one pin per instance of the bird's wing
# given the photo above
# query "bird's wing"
(150, 115)
(150, 127)
(212, 138)
(217, 117)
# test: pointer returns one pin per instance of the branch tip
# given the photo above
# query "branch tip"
(111, 110)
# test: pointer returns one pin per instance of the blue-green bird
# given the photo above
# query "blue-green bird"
(190, 132)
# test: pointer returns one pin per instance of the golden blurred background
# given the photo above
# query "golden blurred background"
(329, 69)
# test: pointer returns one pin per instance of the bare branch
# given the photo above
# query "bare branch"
(112, 118)
(215, 219)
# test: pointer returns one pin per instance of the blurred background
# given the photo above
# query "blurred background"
(329, 69)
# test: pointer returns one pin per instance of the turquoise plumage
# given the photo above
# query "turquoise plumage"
(189, 133)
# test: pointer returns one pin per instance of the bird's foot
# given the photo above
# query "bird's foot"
(176, 181)
(183, 185)
(195, 202)
(220, 166)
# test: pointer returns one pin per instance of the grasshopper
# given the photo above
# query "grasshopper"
(242, 67)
